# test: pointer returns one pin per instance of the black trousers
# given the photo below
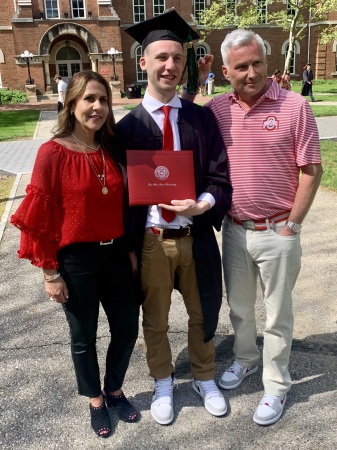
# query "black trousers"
(97, 274)
(59, 107)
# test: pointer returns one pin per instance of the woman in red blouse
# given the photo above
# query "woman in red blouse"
(71, 223)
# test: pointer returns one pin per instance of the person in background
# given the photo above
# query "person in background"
(271, 138)
(71, 223)
(181, 246)
(286, 81)
(62, 90)
(210, 77)
(277, 76)
(308, 78)
(202, 89)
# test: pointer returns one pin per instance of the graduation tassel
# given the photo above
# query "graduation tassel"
(192, 69)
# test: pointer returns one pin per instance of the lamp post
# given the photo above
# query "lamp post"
(113, 53)
(28, 57)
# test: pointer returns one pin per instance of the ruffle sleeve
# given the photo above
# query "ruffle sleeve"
(38, 216)
(38, 219)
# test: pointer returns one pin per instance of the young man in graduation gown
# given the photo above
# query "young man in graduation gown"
(181, 250)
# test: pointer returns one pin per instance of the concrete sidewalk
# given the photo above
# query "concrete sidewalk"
(40, 409)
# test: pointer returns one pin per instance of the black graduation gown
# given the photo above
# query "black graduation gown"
(198, 132)
(307, 87)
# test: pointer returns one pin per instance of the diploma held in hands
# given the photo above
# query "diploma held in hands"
(157, 176)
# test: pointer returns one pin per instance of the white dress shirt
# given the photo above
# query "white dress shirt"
(152, 106)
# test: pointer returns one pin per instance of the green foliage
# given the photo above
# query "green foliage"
(8, 96)
(219, 15)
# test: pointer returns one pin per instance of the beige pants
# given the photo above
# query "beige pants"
(276, 260)
(160, 260)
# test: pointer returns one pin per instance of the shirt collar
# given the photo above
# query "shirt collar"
(151, 104)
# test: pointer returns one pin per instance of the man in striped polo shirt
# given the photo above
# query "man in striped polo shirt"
(271, 137)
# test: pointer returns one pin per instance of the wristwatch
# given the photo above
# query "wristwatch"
(295, 227)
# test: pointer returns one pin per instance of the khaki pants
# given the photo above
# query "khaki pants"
(276, 261)
(160, 260)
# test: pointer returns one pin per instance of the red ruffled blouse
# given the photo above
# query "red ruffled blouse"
(65, 204)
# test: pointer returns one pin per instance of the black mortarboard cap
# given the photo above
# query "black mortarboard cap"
(169, 26)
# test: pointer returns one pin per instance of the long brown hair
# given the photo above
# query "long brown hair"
(66, 121)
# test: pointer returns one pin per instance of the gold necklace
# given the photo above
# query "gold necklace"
(86, 145)
(101, 178)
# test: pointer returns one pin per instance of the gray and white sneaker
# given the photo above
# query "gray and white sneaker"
(235, 375)
(214, 401)
(162, 400)
(270, 409)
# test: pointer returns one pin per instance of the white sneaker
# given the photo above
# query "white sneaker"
(235, 375)
(270, 409)
(162, 400)
(213, 399)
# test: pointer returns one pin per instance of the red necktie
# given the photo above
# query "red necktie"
(167, 145)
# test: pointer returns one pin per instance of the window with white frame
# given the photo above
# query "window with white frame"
(201, 51)
(334, 49)
(141, 74)
(139, 14)
(292, 61)
(199, 6)
(77, 7)
(158, 7)
(231, 7)
(261, 9)
(51, 9)
(290, 10)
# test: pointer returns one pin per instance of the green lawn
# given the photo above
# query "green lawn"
(6, 183)
(323, 110)
(17, 124)
(329, 158)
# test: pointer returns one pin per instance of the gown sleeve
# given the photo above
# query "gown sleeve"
(39, 215)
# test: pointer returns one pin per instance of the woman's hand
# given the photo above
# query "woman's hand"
(57, 290)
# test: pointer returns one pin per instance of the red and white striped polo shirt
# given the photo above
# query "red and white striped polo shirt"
(266, 147)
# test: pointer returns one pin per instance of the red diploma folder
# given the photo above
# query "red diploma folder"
(159, 176)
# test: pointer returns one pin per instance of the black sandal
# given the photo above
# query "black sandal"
(124, 409)
(100, 420)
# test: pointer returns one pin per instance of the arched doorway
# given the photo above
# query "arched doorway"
(68, 62)
(67, 48)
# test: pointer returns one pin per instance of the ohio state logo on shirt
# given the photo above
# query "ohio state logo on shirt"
(271, 123)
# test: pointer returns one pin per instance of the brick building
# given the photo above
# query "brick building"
(66, 36)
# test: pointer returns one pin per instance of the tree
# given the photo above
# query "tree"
(295, 18)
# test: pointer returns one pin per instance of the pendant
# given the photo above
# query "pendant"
(105, 190)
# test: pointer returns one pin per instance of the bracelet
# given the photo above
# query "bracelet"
(51, 277)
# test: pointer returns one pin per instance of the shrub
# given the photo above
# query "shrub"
(8, 96)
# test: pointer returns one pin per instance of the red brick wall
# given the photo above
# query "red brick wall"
(109, 34)
(7, 11)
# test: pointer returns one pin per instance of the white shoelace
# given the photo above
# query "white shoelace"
(209, 387)
(164, 388)
(268, 400)
(235, 368)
